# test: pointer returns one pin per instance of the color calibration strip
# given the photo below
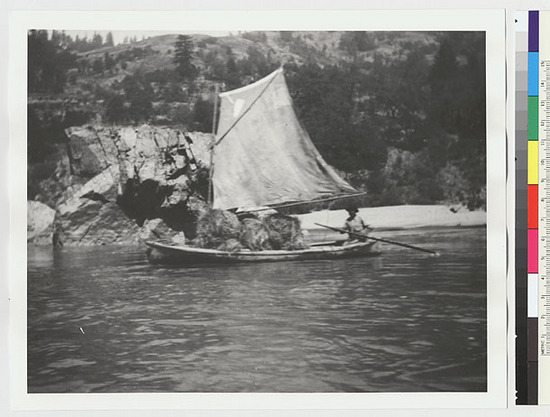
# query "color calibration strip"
(532, 121)
(522, 203)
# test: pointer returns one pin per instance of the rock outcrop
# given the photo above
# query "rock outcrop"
(40, 220)
(111, 181)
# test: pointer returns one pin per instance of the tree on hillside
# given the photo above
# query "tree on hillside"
(183, 58)
(354, 42)
(232, 76)
(48, 63)
(140, 96)
(55, 38)
(398, 96)
(98, 66)
(457, 80)
(257, 63)
(97, 41)
(286, 36)
(115, 110)
(203, 113)
(109, 40)
(259, 37)
(108, 61)
(323, 98)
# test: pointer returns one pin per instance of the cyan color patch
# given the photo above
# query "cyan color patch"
(533, 86)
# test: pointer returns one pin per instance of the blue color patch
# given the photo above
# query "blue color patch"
(533, 74)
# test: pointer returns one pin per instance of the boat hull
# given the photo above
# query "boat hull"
(160, 253)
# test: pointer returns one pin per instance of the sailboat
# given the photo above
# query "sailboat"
(263, 157)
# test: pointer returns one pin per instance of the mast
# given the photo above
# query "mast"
(213, 145)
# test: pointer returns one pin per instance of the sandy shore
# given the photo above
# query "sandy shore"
(399, 217)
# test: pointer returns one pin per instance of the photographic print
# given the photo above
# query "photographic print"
(257, 211)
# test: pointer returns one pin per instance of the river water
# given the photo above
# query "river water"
(103, 320)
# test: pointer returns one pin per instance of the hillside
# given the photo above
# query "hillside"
(400, 114)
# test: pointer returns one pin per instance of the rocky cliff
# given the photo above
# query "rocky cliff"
(122, 184)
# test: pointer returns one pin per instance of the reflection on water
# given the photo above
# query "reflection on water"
(104, 320)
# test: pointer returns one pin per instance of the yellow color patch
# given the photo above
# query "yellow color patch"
(533, 162)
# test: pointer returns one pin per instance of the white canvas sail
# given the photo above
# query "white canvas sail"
(263, 155)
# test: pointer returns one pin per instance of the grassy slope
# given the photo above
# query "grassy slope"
(323, 47)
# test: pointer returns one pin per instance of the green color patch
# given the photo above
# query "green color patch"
(533, 118)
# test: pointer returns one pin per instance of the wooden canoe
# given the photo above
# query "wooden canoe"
(161, 253)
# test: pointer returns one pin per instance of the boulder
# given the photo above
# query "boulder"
(40, 219)
(84, 155)
(95, 223)
(51, 182)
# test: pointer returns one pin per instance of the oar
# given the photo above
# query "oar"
(379, 240)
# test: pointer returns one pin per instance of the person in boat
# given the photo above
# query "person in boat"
(356, 225)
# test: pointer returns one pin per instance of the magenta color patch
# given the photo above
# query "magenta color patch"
(532, 251)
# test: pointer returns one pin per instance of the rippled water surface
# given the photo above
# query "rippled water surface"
(104, 320)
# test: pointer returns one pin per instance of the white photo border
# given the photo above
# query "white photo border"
(492, 22)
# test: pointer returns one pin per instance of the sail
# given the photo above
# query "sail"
(263, 156)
